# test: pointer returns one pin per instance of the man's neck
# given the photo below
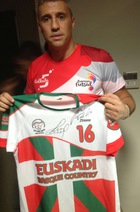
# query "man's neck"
(59, 54)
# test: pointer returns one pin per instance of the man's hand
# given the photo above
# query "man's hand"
(115, 109)
(6, 101)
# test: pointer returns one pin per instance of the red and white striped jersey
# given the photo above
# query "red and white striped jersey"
(65, 151)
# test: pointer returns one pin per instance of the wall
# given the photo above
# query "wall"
(114, 26)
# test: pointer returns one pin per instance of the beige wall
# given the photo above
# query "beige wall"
(115, 26)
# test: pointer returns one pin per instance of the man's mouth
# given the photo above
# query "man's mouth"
(57, 36)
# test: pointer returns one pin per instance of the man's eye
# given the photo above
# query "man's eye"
(61, 17)
(45, 19)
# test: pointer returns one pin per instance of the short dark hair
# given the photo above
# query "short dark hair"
(40, 2)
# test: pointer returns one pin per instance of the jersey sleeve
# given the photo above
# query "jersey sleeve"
(110, 75)
(11, 122)
(114, 138)
(112, 80)
(8, 130)
(4, 129)
(29, 85)
(105, 69)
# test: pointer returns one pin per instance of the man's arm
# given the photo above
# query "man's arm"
(119, 105)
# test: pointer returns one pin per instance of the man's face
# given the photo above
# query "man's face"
(56, 23)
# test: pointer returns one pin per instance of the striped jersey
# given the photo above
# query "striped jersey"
(64, 150)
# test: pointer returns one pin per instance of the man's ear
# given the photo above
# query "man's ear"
(39, 28)
(73, 22)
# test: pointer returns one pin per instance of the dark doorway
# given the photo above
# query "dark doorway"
(9, 43)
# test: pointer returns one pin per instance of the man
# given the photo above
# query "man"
(66, 65)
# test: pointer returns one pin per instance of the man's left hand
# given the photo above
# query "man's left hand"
(115, 109)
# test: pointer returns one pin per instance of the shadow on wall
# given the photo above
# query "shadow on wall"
(15, 83)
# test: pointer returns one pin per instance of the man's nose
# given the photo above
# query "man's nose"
(55, 24)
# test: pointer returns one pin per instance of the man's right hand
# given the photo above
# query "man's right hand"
(6, 100)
